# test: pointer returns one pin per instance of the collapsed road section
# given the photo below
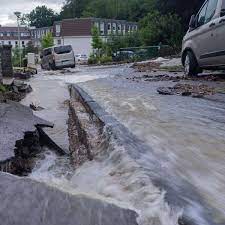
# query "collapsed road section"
(125, 163)
(20, 137)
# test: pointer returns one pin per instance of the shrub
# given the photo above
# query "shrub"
(2, 88)
(47, 41)
(93, 59)
(105, 59)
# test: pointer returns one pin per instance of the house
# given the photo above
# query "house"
(77, 32)
(9, 36)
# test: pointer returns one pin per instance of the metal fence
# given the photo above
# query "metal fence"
(143, 53)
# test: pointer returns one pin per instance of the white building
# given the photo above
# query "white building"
(9, 36)
(77, 32)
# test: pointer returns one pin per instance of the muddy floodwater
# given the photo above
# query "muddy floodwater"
(187, 135)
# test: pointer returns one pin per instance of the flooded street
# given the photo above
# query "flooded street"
(185, 135)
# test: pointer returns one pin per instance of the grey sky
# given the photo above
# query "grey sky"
(9, 6)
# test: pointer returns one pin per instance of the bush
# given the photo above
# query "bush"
(47, 41)
(16, 57)
(92, 60)
(2, 88)
(105, 59)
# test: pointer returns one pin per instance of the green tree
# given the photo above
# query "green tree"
(16, 57)
(73, 8)
(97, 42)
(115, 43)
(47, 41)
(157, 28)
(41, 16)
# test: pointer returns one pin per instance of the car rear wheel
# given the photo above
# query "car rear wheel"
(52, 66)
(191, 67)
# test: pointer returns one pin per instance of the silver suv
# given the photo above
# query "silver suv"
(204, 44)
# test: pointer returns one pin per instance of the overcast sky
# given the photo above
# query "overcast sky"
(7, 7)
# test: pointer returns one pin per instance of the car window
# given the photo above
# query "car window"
(211, 9)
(201, 15)
(223, 8)
(47, 52)
(63, 49)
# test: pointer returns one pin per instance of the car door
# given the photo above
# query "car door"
(219, 34)
(206, 26)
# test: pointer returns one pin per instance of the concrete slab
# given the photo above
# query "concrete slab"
(8, 81)
(24, 201)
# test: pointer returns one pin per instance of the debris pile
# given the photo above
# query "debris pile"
(24, 74)
(15, 91)
(156, 78)
(146, 66)
(196, 91)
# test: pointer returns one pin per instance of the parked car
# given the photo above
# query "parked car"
(81, 58)
(57, 57)
(123, 55)
(204, 44)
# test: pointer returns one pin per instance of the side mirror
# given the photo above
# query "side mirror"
(222, 13)
(192, 23)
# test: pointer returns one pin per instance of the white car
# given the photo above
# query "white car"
(81, 58)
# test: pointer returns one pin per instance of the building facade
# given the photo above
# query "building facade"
(38, 33)
(9, 36)
(77, 32)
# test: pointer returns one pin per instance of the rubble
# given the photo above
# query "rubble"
(24, 73)
(15, 91)
(196, 91)
(146, 66)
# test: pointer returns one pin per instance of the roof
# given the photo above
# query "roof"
(13, 29)
(76, 27)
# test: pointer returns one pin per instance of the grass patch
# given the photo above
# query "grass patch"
(2, 88)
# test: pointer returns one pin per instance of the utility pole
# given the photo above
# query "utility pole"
(18, 15)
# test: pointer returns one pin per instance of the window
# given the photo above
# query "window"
(124, 29)
(1, 34)
(129, 28)
(201, 15)
(119, 28)
(211, 9)
(9, 42)
(2, 42)
(8, 34)
(59, 42)
(109, 28)
(114, 27)
(102, 28)
(63, 49)
(58, 29)
(47, 51)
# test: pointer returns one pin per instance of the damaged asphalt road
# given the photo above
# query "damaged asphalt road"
(19, 136)
(184, 134)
